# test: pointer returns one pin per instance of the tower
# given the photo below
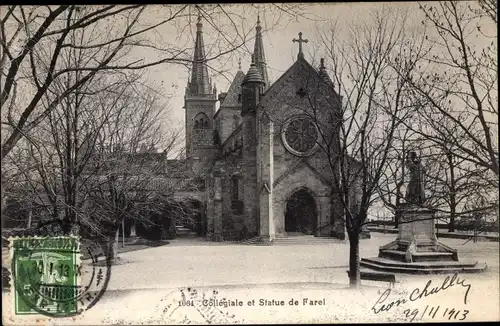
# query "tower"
(260, 58)
(199, 105)
(252, 89)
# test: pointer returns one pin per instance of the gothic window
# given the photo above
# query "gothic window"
(201, 121)
(300, 136)
(235, 188)
(239, 98)
(236, 203)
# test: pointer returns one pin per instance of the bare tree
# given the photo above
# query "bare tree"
(357, 131)
(36, 39)
(391, 188)
(457, 81)
(449, 180)
(125, 170)
(95, 154)
(452, 182)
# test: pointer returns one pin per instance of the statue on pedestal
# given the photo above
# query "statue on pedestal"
(417, 250)
(415, 192)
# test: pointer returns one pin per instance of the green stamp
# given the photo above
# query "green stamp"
(45, 275)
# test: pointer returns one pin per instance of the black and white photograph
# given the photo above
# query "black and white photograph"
(249, 163)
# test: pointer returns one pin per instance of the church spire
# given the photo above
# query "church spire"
(322, 72)
(199, 84)
(260, 58)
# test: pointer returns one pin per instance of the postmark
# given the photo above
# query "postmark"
(57, 275)
(190, 305)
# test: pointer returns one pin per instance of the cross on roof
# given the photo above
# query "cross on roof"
(300, 41)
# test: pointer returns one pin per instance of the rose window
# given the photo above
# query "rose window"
(300, 136)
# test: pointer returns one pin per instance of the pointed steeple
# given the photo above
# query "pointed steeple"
(260, 58)
(199, 84)
(322, 72)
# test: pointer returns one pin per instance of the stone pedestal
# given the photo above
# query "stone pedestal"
(417, 224)
(417, 239)
(417, 250)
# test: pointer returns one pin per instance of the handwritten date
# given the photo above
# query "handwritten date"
(436, 312)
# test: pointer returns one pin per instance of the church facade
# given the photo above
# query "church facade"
(266, 153)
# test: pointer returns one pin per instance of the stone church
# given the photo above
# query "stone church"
(264, 153)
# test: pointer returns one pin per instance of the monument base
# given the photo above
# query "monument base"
(427, 267)
(416, 249)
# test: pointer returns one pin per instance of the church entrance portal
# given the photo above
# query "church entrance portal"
(301, 214)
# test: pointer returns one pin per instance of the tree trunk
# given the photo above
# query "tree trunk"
(354, 267)
(453, 195)
(451, 225)
(113, 247)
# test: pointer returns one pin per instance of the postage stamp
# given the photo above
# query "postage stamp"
(45, 275)
(56, 275)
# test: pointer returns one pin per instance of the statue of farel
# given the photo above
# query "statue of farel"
(415, 192)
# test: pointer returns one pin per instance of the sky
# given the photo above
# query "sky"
(279, 49)
(278, 33)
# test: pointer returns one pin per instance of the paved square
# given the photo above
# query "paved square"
(196, 282)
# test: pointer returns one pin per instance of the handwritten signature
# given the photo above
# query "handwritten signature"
(418, 293)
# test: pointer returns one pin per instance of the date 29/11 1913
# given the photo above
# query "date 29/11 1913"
(436, 312)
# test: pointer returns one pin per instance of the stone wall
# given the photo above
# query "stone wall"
(200, 149)
(249, 173)
(233, 142)
(291, 172)
(288, 172)
(233, 213)
(227, 119)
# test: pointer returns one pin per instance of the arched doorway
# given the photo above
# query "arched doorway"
(301, 214)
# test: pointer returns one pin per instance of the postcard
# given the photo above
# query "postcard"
(274, 163)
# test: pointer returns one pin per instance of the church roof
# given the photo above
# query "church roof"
(322, 72)
(234, 91)
(291, 72)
